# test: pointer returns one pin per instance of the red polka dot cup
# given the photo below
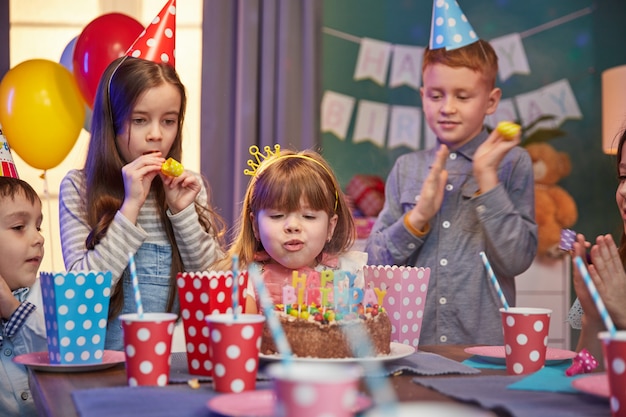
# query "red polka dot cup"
(147, 345)
(525, 338)
(315, 389)
(614, 348)
(201, 294)
(234, 350)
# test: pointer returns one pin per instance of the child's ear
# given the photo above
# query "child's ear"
(494, 99)
(332, 223)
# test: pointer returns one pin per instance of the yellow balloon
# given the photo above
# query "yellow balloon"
(41, 112)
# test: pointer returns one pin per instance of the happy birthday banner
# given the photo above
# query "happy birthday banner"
(401, 65)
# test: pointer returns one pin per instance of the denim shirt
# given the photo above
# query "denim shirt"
(15, 396)
(462, 306)
(153, 264)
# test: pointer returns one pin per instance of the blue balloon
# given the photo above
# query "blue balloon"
(68, 54)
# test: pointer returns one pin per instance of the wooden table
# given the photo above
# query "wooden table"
(52, 391)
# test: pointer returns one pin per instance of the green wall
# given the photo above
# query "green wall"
(577, 50)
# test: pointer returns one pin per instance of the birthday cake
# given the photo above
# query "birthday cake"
(331, 327)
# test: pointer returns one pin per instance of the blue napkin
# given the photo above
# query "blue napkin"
(548, 378)
(476, 362)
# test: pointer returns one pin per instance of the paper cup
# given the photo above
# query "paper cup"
(76, 306)
(525, 338)
(614, 348)
(147, 345)
(201, 294)
(315, 389)
(234, 350)
(405, 298)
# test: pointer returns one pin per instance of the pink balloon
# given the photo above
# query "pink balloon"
(103, 40)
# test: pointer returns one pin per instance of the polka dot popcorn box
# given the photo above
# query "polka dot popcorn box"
(404, 300)
(614, 348)
(76, 306)
(201, 294)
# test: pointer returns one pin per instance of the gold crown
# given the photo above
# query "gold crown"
(260, 157)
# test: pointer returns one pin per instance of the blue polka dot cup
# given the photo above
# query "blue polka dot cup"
(307, 389)
(76, 306)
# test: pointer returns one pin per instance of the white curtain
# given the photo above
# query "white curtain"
(261, 85)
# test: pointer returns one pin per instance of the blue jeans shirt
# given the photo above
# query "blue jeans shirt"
(153, 271)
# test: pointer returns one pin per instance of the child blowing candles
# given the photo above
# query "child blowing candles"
(121, 202)
(294, 217)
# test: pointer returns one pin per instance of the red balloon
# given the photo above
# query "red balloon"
(102, 41)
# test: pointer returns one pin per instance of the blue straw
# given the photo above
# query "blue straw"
(595, 296)
(268, 309)
(494, 280)
(135, 280)
(235, 285)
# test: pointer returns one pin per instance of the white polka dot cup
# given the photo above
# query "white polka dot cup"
(234, 350)
(315, 389)
(148, 345)
(201, 294)
(76, 307)
(614, 348)
(525, 338)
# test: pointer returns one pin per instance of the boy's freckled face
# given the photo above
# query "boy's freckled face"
(21, 242)
(455, 102)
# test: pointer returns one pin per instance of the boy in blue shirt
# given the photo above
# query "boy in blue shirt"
(472, 192)
(22, 328)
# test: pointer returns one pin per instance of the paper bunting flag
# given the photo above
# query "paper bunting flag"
(158, 41)
(450, 28)
(7, 166)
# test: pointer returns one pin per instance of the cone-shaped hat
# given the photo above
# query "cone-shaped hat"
(450, 28)
(158, 41)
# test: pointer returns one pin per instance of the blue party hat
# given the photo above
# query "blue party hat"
(450, 28)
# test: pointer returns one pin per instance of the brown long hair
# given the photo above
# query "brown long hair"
(121, 85)
(281, 182)
(620, 149)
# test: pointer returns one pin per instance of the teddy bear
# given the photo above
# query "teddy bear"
(555, 209)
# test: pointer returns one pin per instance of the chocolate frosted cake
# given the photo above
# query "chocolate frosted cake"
(316, 333)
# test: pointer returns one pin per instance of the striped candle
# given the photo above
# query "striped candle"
(270, 316)
(595, 296)
(494, 280)
(235, 286)
(135, 281)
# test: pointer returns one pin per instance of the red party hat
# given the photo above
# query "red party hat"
(158, 41)
(7, 167)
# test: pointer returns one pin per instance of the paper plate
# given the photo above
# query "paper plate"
(595, 384)
(496, 355)
(40, 361)
(398, 350)
(259, 404)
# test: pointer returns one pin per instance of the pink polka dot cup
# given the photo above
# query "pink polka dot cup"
(234, 350)
(525, 338)
(147, 345)
(315, 389)
(614, 348)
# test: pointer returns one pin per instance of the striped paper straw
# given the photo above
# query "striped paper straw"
(135, 281)
(494, 280)
(235, 285)
(268, 309)
(595, 296)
